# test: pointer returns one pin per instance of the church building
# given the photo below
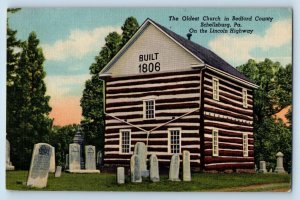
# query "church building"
(173, 94)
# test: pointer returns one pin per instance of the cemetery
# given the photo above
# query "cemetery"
(183, 119)
(200, 182)
(142, 175)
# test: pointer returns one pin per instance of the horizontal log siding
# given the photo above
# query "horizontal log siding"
(175, 94)
(232, 120)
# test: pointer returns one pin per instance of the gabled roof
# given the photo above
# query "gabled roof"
(203, 54)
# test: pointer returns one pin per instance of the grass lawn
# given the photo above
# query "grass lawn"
(200, 182)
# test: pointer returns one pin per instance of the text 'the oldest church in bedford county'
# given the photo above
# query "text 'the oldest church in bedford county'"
(173, 94)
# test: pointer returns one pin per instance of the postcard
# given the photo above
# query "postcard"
(149, 99)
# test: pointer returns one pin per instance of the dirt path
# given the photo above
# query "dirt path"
(271, 187)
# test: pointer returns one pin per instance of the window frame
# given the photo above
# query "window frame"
(215, 148)
(169, 140)
(245, 145)
(215, 87)
(120, 141)
(145, 109)
(245, 97)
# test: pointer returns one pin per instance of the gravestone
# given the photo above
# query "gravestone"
(52, 160)
(262, 167)
(135, 169)
(120, 175)
(57, 172)
(39, 166)
(255, 168)
(74, 157)
(174, 168)
(79, 139)
(141, 151)
(154, 169)
(186, 166)
(67, 162)
(99, 159)
(90, 157)
(279, 165)
(9, 165)
(271, 170)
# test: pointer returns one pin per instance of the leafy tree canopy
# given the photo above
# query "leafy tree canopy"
(28, 105)
(275, 86)
(92, 98)
(274, 93)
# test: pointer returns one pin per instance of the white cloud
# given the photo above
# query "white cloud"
(237, 50)
(78, 44)
(61, 86)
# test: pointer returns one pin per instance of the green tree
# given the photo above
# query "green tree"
(13, 56)
(289, 117)
(92, 104)
(110, 49)
(271, 137)
(31, 122)
(263, 74)
(284, 84)
(274, 93)
(60, 138)
(92, 98)
(129, 28)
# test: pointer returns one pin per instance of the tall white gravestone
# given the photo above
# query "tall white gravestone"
(52, 160)
(279, 166)
(186, 166)
(74, 157)
(120, 175)
(262, 167)
(154, 168)
(39, 166)
(135, 169)
(141, 151)
(9, 165)
(90, 157)
(174, 168)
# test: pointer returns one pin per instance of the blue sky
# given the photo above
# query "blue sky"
(72, 37)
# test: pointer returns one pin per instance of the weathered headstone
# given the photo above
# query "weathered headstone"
(75, 163)
(174, 168)
(57, 172)
(9, 165)
(90, 157)
(255, 168)
(52, 160)
(279, 166)
(39, 166)
(141, 151)
(120, 175)
(271, 170)
(154, 169)
(99, 159)
(135, 169)
(262, 167)
(79, 139)
(186, 166)
(74, 157)
(67, 162)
